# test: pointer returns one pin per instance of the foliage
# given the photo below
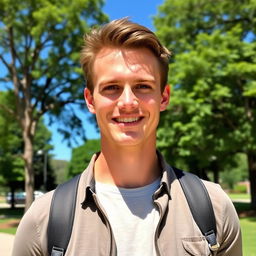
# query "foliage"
(235, 172)
(212, 115)
(239, 188)
(40, 43)
(11, 164)
(81, 156)
(60, 168)
(11, 145)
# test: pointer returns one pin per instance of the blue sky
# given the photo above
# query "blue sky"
(140, 11)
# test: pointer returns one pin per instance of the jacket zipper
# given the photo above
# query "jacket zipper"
(108, 224)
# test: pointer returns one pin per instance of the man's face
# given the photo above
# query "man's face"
(127, 99)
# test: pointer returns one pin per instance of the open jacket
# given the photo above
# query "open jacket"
(177, 233)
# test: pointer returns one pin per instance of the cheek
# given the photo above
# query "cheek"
(153, 103)
(103, 103)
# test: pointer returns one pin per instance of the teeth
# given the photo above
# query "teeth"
(127, 120)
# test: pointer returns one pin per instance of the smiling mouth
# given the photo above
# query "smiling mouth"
(127, 120)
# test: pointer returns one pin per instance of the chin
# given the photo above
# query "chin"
(128, 139)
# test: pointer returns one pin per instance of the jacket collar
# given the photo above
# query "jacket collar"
(168, 177)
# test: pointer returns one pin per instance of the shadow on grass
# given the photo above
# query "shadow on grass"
(8, 212)
(244, 210)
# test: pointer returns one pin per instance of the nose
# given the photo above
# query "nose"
(127, 99)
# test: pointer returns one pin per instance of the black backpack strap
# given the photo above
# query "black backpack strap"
(61, 217)
(200, 205)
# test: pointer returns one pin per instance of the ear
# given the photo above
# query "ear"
(165, 98)
(89, 100)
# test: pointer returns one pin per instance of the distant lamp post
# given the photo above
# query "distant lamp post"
(44, 153)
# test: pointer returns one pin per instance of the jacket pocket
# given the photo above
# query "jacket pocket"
(196, 246)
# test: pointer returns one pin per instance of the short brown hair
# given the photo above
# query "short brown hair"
(126, 34)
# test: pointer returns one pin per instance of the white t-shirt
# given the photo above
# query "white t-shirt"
(133, 217)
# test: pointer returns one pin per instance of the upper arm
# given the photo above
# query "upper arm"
(27, 242)
(31, 235)
(227, 221)
(231, 241)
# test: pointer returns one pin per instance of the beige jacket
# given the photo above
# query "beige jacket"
(177, 234)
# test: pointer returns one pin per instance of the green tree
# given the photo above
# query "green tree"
(81, 156)
(60, 168)
(235, 172)
(212, 115)
(11, 144)
(40, 43)
(11, 164)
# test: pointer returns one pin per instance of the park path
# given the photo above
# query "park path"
(6, 242)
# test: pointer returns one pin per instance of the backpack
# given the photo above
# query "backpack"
(62, 215)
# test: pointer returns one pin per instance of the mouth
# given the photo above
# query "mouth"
(127, 120)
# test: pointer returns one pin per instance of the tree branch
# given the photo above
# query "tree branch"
(5, 63)
(43, 95)
(13, 48)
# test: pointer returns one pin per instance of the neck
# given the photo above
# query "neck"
(127, 167)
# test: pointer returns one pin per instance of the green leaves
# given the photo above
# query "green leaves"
(212, 110)
(40, 43)
(81, 156)
(250, 90)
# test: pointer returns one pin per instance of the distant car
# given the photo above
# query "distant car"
(20, 197)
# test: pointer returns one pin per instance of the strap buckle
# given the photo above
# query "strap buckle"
(214, 247)
(56, 251)
(212, 241)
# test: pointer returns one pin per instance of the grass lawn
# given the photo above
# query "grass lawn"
(9, 225)
(239, 196)
(248, 227)
(9, 219)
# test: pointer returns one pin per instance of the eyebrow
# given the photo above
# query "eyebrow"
(116, 81)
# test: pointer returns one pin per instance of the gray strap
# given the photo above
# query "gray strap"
(61, 217)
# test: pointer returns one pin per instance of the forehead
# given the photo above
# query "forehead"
(126, 60)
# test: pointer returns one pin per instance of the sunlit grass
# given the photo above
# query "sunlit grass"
(12, 229)
(248, 227)
(239, 196)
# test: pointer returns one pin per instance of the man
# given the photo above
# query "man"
(129, 200)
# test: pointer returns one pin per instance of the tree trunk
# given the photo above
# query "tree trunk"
(252, 176)
(12, 197)
(216, 175)
(215, 170)
(29, 170)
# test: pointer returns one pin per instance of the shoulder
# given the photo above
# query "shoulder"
(214, 189)
(219, 197)
(38, 212)
(222, 204)
(34, 225)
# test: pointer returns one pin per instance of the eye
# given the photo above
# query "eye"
(110, 88)
(143, 87)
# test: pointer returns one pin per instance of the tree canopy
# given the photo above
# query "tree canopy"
(11, 146)
(81, 156)
(11, 164)
(40, 43)
(212, 115)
